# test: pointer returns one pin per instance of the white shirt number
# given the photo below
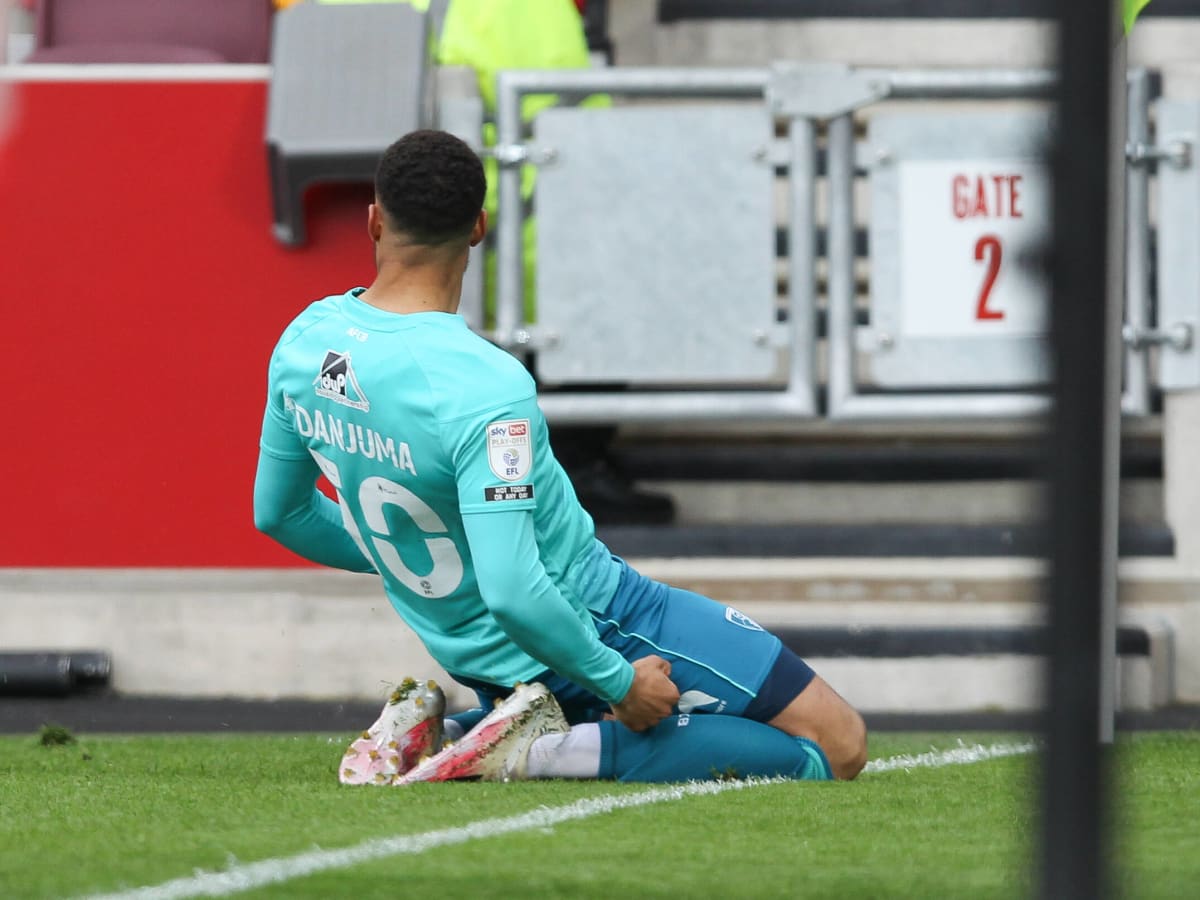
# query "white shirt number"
(373, 495)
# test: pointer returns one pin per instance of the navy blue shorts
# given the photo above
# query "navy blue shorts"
(721, 660)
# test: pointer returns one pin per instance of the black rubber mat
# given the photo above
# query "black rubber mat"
(107, 712)
(110, 713)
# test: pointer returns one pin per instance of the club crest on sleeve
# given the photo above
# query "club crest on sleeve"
(741, 619)
(510, 449)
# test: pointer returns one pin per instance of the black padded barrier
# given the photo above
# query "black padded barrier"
(53, 673)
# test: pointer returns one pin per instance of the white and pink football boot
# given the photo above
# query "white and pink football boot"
(408, 729)
(497, 749)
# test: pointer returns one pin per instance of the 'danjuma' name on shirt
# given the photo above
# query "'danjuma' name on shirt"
(332, 431)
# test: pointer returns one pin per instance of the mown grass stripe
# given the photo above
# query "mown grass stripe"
(246, 877)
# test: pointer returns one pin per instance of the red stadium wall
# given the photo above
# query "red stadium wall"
(142, 295)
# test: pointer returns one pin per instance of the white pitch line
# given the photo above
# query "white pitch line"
(273, 871)
(958, 756)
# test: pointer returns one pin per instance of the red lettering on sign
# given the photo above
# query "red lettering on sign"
(988, 245)
(1014, 195)
(958, 190)
(980, 208)
(985, 196)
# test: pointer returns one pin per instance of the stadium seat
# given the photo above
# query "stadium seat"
(152, 31)
(346, 80)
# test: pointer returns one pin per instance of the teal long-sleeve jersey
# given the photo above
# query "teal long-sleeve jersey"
(440, 457)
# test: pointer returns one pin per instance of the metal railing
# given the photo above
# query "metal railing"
(808, 98)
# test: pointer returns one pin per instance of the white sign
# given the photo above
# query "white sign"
(969, 234)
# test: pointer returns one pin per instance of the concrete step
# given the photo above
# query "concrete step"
(972, 668)
(965, 502)
(328, 635)
(860, 540)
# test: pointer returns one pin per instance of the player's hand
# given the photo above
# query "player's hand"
(651, 697)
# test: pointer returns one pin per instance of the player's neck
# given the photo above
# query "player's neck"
(415, 289)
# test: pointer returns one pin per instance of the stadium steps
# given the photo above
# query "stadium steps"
(895, 636)
(870, 540)
(905, 569)
(870, 459)
(886, 669)
(867, 499)
(936, 635)
(902, 669)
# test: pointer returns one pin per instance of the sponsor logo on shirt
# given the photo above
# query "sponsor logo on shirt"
(508, 492)
(335, 381)
(509, 449)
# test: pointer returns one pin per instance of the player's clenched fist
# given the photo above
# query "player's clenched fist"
(651, 697)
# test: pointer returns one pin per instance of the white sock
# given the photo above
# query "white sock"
(575, 754)
(452, 730)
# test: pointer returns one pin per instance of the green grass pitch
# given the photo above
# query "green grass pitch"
(112, 814)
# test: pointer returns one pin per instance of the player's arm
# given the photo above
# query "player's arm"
(532, 611)
(289, 508)
(491, 457)
(494, 452)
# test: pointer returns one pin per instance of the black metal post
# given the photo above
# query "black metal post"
(1080, 455)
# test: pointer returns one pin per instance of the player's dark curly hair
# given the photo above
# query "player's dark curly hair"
(431, 185)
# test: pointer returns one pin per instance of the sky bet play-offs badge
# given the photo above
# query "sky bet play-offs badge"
(510, 449)
(336, 382)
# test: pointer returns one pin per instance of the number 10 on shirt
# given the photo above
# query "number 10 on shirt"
(370, 498)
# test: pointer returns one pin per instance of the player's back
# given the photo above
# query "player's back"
(415, 420)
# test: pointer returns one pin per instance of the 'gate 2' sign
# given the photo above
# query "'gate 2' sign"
(960, 207)
(969, 230)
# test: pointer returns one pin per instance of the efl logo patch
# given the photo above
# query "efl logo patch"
(741, 620)
(336, 382)
(510, 450)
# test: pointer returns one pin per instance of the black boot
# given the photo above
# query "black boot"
(602, 487)
(611, 498)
